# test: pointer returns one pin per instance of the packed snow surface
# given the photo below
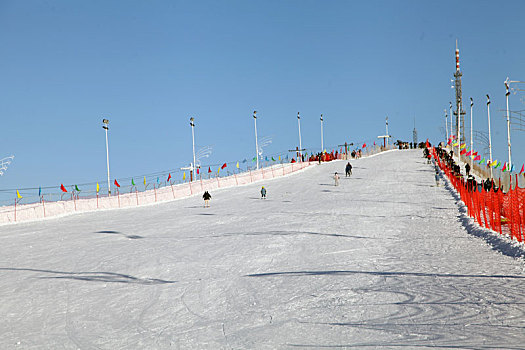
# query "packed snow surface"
(384, 260)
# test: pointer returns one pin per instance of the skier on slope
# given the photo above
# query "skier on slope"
(336, 179)
(348, 169)
(263, 193)
(206, 196)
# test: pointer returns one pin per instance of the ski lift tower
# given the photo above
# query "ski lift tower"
(414, 133)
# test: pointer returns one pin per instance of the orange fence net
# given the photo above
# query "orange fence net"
(501, 212)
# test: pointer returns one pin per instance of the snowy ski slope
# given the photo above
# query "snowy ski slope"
(381, 261)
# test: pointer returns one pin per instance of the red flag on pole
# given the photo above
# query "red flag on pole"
(209, 169)
(427, 144)
(63, 188)
(197, 171)
(364, 145)
(223, 166)
(169, 177)
(522, 168)
(116, 183)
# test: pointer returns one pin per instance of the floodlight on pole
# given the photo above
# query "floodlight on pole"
(446, 124)
(490, 138)
(322, 144)
(507, 93)
(192, 123)
(471, 138)
(256, 144)
(300, 144)
(106, 127)
(451, 133)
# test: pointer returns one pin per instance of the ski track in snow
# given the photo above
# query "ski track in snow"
(385, 260)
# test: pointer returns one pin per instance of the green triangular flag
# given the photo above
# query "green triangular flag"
(77, 189)
(253, 160)
(132, 182)
(273, 159)
(497, 165)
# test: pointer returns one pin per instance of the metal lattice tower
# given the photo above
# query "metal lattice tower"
(459, 99)
(414, 134)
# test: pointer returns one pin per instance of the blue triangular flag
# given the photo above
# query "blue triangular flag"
(244, 161)
(157, 179)
(39, 191)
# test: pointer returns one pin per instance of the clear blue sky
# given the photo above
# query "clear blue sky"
(150, 65)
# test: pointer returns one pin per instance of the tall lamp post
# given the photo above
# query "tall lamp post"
(256, 144)
(451, 133)
(300, 144)
(192, 123)
(386, 121)
(105, 127)
(507, 93)
(322, 144)
(490, 138)
(471, 139)
(446, 126)
(459, 130)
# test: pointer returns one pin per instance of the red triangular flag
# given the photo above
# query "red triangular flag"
(116, 183)
(197, 171)
(169, 177)
(63, 188)
(364, 145)
(463, 151)
(209, 169)
(223, 166)
(522, 168)
(427, 144)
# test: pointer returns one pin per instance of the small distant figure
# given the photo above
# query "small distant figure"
(436, 176)
(206, 196)
(348, 169)
(336, 179)
(263, 193)
(467, 169)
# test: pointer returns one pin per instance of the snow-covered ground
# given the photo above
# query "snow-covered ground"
(382, 261)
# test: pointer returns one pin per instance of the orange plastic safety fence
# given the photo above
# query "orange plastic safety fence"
(493, 210)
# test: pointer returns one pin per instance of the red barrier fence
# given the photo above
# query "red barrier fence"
(495, 210)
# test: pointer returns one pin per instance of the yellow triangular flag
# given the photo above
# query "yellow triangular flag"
(463, 146)
(218, 170)
(144, 180)
(184, 176)
(279, 158)
(98, 187)
(494, 163)
(18, 194)
(237, 165)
